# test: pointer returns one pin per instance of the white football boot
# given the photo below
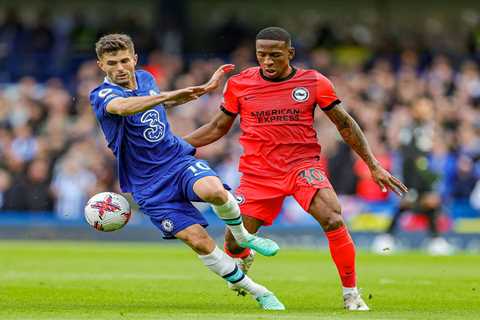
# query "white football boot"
(244, 265)
(354, 302)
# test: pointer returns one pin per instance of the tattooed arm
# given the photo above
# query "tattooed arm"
(353, 135)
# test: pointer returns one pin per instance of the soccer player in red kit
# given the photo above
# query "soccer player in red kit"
(276, 104)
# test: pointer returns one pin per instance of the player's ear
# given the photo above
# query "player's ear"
(100, 64)
(135, 58)
(291, 53)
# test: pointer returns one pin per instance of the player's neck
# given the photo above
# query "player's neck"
(288, 74)
(132, 85)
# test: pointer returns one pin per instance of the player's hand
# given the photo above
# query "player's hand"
(191, 93)
(181, 96)
(214, 81)
(386, 180)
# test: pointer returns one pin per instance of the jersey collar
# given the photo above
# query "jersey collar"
(290, 76)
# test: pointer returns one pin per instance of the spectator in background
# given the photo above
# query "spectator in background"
(475, 196)
(416, 146)
(83, 33)
(29, 192)
(72, 183)
(5, 183)
(40, 36)
(37, 194)
(341, 170)
(24, 145)
(5, 142)
(464, 180)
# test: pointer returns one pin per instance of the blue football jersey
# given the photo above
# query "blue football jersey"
(143, 144)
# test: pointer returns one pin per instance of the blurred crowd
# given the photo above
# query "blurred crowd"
(53, 155)
(46, 44)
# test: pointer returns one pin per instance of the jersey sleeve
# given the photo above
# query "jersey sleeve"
(230, 104)
(325, 95)
(100, 98)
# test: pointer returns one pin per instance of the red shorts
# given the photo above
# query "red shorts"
(262, 198)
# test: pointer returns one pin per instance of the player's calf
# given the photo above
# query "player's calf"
(223, 265)
(325, 208)
(197, 238)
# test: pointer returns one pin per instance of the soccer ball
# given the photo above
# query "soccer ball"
(107, 211)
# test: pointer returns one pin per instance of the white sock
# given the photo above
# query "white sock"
(229, 212)
(251, 287)
(223, 265)
(353, 290)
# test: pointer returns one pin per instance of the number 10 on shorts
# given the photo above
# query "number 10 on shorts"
(198, 167)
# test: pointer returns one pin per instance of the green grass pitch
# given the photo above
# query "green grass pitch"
(95, 281)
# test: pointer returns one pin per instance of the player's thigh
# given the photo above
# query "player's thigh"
(315, 195)
(305, 182)
(259, 211)
(197, 238)
(326, 209)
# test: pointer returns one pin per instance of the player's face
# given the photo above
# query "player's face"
(274, 58)
(119, 67)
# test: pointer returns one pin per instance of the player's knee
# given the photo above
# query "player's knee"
(215, 194)
(333, 219)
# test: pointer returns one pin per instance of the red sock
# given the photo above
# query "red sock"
(243, 254)
(342, 250)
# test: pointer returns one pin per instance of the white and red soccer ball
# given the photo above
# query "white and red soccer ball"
(107, 211)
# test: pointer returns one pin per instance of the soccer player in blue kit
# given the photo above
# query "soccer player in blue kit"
(159, 169)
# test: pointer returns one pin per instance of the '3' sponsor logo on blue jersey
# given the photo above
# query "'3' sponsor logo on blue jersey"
(156, 129)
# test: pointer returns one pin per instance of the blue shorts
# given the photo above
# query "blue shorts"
(168, 200)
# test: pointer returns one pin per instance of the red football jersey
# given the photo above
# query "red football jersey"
(276, 118)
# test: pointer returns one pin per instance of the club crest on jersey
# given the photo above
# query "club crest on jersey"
(167, 225)
(240, 199)
(300, 94)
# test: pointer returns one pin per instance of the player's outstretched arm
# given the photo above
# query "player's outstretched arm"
(217, 76)
(211, 85)
(353, 135)
(212, 131)
(132, 105)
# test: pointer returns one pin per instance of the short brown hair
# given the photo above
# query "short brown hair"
(113, 42)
